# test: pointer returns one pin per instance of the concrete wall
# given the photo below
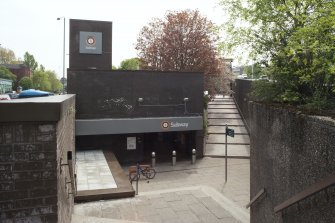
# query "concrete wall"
(31, 183)
(290, 152)
(114, 94)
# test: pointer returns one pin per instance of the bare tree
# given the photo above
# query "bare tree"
(182, 41)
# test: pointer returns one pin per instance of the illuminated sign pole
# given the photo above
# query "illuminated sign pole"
(231, 133)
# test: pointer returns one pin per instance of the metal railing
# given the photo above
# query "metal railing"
(313, 189)
(254, 199)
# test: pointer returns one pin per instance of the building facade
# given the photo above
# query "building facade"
(132, 113)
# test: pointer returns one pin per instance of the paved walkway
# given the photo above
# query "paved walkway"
(222, 111)
(93, 171)
(167, 197)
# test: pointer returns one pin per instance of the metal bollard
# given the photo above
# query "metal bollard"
(193, 156)
(174, 158)
(153, 159)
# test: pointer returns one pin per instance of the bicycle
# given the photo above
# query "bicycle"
(146, 170)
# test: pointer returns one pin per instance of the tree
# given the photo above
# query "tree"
(181, 41)
(26, 83)
(55, 84)
(30, 61)
(294, 40)
(6, 74)
(7, 56)
(130, 64)
(41, 81)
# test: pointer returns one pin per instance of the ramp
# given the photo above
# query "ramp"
(100, 177)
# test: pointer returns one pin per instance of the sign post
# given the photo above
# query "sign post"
(231, 133)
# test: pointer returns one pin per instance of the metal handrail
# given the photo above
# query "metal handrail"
(241, 114)
(254, 199)
(313, 189)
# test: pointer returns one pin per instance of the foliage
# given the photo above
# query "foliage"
(181, 41)
(55, 84)
(41, 80)
(6, 74)
(294, 40)
(114, 67)
(255, 71)
(130, 64)
(46, 81)
(7, 56)
(30, 61)
(26, 83)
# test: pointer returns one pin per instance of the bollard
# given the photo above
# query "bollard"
(174, 158)
(153, 159)
(193, 156)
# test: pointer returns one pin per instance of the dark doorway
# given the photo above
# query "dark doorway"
(163, 143)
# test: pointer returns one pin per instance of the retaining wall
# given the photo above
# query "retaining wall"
(290, 152)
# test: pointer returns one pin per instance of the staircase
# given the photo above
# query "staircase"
(221, 111)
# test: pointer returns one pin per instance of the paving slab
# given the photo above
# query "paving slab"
(222, 129)
(229, 122)
(233, 116)
(232, 150)
(211, 208)
(237, 139)
(223, 106)
(223, 110)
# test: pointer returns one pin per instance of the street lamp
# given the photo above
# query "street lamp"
(63, 53)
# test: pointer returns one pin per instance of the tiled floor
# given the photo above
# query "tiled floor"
(93, 172)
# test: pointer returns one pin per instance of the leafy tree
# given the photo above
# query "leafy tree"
(181, 41)
(6, 74)
(130, 64)
(42, 68)
(114, 67)
(41, 80)
(294, 40)
(30, 61)
(26, 83)
(7, 56)
(55, 84)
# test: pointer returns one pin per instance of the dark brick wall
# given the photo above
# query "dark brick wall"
(241, 89)
(66, 155)
(290, 152)
(30, 188)
(28, 176)
(84, 61)
(114, 94)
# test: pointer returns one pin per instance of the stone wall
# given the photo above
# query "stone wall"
(31, 184)
(290, 152)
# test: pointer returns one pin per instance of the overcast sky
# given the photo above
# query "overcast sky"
(33, 26)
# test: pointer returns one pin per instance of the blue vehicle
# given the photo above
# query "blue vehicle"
(31, 93)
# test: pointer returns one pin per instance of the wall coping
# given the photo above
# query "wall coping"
(50, 108)
(326, 120)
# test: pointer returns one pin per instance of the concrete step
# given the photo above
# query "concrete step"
(221, 103)
(88, 219)
(225, 116)
(222, 129)
(222, 111)
(233, 106)
(229, 122)
(232, 150)
(221, 139)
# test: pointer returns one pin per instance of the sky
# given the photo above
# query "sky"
(32, 26)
